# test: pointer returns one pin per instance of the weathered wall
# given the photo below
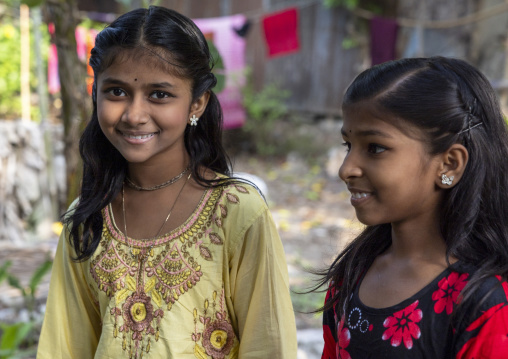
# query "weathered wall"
(29, 183)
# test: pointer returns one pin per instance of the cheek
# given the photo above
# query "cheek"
(105, 115)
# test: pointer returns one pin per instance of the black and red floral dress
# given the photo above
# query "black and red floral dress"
(422, 326)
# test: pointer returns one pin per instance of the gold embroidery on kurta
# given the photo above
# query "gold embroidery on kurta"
(217, 338)
(141, 290)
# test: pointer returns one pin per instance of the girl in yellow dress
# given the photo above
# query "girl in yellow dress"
(163, 255)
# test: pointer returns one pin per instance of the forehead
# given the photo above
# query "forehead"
(144, 69)
(366, 118)
(143, 58)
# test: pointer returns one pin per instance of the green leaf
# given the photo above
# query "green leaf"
(14, 282)
(3, 270)
(39, 274)
(218, 68)
(349, 4)
(12, 336)
(349, 43)
(32, 3)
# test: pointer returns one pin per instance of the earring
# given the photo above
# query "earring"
(194, 120)
(446, 180)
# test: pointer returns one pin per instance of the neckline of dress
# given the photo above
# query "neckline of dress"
(163, 238)
(458, 266)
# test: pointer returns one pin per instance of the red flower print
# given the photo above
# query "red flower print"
(329, 349)
(448, 292)
(344, 339)
(402, 326)
(492, 340)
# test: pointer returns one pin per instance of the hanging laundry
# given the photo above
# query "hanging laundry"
(383, 39)
(281, 32)
(80, 33)
(231, 48)
(53, 77)
(244, 29)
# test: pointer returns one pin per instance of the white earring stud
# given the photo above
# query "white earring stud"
(446, 180)
(194, 120)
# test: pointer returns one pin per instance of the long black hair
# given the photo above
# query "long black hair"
(451, 102)
(176, 41)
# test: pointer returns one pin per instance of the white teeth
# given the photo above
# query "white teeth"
(139, 137)
(359, 195)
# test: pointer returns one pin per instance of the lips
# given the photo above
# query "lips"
(137, 137)
(358, 196)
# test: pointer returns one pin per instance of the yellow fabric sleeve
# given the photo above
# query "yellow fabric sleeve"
(72, 324)
(260, 293)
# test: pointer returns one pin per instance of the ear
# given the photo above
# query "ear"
(198, 107)
(452, 164)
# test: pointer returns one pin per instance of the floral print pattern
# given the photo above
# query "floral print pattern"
(343, 342)
(423, 325)
(448, 293)
(402, 326)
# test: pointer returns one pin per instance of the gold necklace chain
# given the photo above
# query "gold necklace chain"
(159, 186)
(163, 224)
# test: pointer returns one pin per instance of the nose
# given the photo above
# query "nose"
(136, 112)
(350, 167)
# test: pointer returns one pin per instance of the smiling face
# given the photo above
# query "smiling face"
(143, 109)
(391, 177)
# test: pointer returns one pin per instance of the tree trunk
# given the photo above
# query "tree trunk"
(75, 100)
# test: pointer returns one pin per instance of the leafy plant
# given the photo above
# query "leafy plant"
(264, 108)
(28, 292)
(13, 335)
(10, 63)
(218, 67)
(4, 271)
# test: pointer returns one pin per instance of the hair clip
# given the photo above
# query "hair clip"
(469, 127)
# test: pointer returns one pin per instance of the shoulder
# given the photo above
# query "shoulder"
(485, 319)
(71, 209)
(489, 291)
(243, 197)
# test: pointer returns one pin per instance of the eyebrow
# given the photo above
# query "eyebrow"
(366, 133)
(113, 81)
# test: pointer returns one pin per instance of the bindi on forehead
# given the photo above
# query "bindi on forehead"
(135, 79)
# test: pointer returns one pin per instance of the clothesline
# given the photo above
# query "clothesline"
(255, 15)
(440, 24)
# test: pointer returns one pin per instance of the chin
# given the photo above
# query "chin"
(368, 221)
(135, 159)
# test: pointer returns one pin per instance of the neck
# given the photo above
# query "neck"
(419, 241)
(147, 175)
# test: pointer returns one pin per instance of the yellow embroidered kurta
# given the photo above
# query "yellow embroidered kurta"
(215, 287)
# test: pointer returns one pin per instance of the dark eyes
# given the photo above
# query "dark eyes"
(158, 95)
(116, 92)
(375, 148)
(371, 148)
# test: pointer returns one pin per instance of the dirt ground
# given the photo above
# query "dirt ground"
(314, 219)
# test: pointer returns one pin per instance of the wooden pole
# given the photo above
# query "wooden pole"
(24, 19)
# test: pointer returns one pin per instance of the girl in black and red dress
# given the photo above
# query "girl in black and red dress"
(427, 168)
